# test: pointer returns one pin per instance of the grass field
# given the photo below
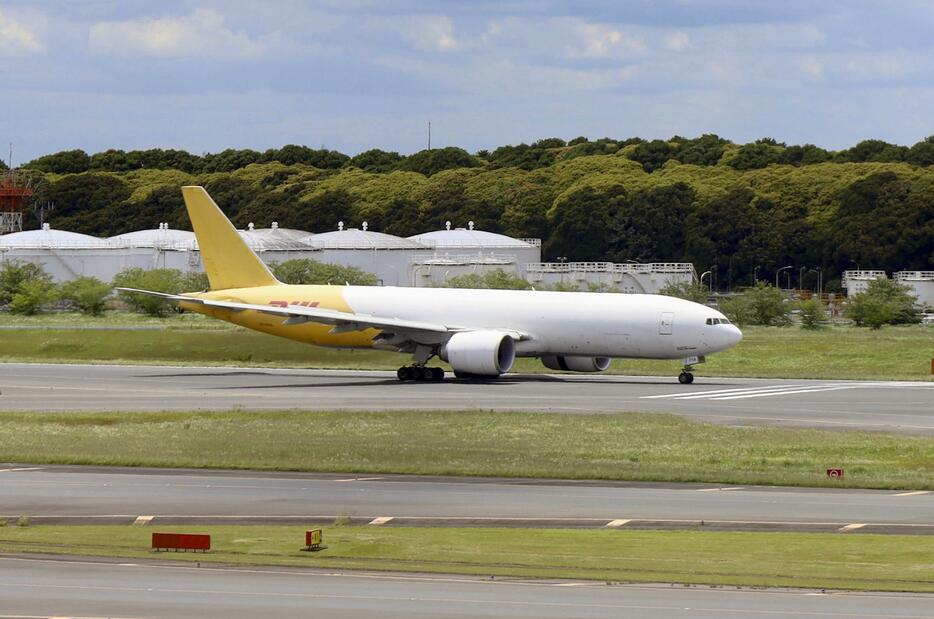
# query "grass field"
(833, 561)
(543, 445)
(892, 353)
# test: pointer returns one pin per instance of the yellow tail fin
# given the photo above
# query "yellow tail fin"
(228, 261)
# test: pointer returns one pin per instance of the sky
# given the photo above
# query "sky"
(205, 75)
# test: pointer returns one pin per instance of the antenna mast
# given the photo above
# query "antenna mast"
(429, 135)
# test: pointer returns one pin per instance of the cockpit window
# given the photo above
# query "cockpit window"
(717, 321)
(724, 321)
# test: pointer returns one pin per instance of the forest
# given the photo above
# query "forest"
(741, 211)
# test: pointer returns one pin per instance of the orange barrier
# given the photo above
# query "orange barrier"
(180, 541)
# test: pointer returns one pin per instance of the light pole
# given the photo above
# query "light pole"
(778, 272)
(755, 275)
(801, 278)
(702, 280)
(857, 265)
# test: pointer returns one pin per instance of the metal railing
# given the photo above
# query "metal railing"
(454, 259)
(611, 267)
(862, 276)
(926, 276)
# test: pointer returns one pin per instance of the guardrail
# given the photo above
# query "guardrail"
(610, 267)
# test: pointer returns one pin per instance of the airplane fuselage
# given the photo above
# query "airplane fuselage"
(557, 323)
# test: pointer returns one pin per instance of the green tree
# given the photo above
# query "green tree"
(754, 156)
(157, 280)
(32, 296)
(922, 153)
(883, 302)
(692, 291)
(195, 281)
(759, 305)
(62, 162)
(812, 314)
(581, 222)
(497, 279)
(650, 226)
(430, 162)
(522, 156)
(873, 150)
(376, 160)
(717, 230)
(88, 294)
(705, 150)
(229, 160)
(322, 211)
(306, 271)
(86, 202)
(808, 154)
(653, 155)
(884, 220)
(291, 154)
(14, 273)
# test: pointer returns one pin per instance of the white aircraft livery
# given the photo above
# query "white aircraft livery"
(479, 333)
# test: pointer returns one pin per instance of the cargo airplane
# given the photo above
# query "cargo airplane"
(479, 333)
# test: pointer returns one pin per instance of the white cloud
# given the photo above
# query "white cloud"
(432, 33)
(570, 37)
(17, 39)
(203, 32)
(676, 41)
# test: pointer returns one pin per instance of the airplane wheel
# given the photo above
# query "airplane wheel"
(405, 373)
(423, 374)
(437, 374)
(685, 378)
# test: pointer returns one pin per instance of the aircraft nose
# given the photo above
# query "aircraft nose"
(735, 336)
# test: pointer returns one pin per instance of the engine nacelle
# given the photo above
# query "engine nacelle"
(483, 353)
(575, 364)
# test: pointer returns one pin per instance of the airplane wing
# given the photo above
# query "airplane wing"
(341, 321)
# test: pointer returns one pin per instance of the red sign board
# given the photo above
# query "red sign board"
(835, 473)
(180, 541)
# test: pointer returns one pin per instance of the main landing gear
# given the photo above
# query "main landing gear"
(420, 373)
(685, 378)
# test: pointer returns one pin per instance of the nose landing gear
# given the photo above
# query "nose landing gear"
(686, 377)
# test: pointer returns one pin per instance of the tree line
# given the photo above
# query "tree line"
(706, 150)
(739, 211)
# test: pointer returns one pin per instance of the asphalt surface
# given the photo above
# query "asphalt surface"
(906, 407)
(92, 494)
(36, 587)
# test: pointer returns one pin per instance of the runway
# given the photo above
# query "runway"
(35, 587)
(892, 406)
(166, 496)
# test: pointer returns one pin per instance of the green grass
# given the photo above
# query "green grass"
(186, 320)
(861, 562)
(892, 353)
(624, 446)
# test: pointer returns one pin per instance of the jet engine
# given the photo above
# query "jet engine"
(481, 353)
(575, 364)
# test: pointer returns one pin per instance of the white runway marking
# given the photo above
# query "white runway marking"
(615, 524)
(752, 392)
(381, 520)
(914, 493)
(785, 392)
(850, 527)
(764, 391)
(143, 520)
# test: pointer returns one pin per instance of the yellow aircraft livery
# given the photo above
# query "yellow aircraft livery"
(478, 332)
